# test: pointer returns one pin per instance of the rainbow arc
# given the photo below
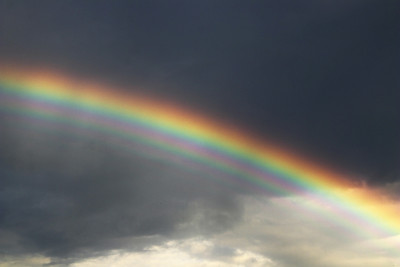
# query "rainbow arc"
(166, 129)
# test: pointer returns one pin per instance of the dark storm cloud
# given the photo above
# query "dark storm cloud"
(74, 196)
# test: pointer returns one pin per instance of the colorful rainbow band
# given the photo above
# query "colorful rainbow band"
(203, 143)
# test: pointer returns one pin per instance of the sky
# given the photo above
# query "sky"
(316, 78)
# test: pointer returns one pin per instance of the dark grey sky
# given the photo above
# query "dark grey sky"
(320, 74)
(320, 77)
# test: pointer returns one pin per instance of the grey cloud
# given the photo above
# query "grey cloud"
(69, 195)
(294, 236)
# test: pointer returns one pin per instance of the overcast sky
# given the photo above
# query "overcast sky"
(320, 77)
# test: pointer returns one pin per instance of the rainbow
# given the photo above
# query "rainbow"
(164, 129)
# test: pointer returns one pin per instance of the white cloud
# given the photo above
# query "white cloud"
(31, 261)
(194, 252)
(293, 235)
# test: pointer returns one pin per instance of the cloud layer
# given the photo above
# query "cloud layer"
(67, 195)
